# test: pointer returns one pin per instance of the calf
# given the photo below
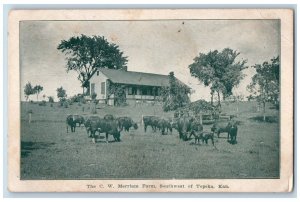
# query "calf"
(206, 136)
(196, 130)
(220, 127)
(126, 123)
(72, 121)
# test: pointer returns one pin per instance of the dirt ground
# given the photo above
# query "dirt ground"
(49, 152)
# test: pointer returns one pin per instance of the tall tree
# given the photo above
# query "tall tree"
(219, 70)
(61, 94)
(28, 90)
(175, 95)
(265, 83)
(38, 89)
(85, 54)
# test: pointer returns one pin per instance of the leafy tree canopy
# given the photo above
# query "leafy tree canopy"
(85, 54)
(37, 89)
(265, 83)
(28, 90)
(61, 93)
(219, 70)
(175, 95)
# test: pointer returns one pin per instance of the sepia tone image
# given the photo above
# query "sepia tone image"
(150, 99)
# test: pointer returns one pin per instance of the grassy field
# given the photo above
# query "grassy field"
(49, 152)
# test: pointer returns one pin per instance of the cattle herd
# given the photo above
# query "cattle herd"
(186, 126)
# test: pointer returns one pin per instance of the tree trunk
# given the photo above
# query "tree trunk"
(37, 97)
(212, 98)
(219, 101)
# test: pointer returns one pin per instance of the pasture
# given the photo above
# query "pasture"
(49, 152)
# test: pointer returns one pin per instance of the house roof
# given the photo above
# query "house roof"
(136, 78)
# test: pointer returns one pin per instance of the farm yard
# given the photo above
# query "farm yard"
(49, 152)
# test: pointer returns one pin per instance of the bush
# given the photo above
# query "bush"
(43, 103)
(50, 99)
(269, 119)
(66, 104)
(78, 98)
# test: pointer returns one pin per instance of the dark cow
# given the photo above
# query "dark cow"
(150, 121)
(109, 127)
(164, 125)
(126, 123)
(91, 125)
(73, 120)
(232, 131)
(184, 127)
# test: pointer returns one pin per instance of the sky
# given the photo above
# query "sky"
(151, 46)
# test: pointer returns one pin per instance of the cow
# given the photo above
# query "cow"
(164, 125)
(109, 127)
(126, 123)
(232, 132)
(73, 120)
(91, 124)
(184, 127)
(150, 121)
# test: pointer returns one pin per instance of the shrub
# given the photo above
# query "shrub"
(78, 98)
(66, 104)
(50, 99)
(43, 103)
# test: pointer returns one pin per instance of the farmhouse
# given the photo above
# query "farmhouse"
(138, 86)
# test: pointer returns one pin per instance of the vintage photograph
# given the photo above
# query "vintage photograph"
(150, 99)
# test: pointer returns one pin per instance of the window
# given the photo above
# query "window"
(92, 88)
(132, 90)
(144, 91)
(97, 73)
(129, 90)
(102, 88)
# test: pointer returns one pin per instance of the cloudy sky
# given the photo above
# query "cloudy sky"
(151, 46)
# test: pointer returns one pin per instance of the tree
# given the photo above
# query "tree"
(37, 89)
(50, 99)
(175, 95)
(265, 83)
(85, 54)
(61, 94)
(219, 70)
(28, 90)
